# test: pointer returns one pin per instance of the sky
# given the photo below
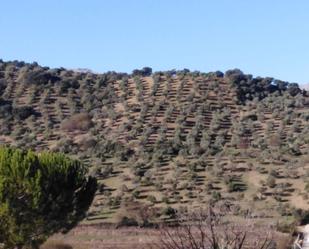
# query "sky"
(260, 37)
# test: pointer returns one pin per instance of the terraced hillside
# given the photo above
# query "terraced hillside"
(167, 140)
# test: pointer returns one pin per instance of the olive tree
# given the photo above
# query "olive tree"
(40, 194)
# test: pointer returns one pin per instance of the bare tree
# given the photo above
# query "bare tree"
(206, 229)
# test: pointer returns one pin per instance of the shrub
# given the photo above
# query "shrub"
(302, 216)
(5, 108)
(80, 121)
(169, 211)
(56, 245)
(216, 196)
(271, 181)
(128, 222)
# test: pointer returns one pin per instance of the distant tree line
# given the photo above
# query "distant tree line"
(249, 87)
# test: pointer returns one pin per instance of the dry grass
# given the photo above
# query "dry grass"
(104, 237)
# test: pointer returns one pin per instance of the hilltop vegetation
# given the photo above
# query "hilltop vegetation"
(167, 140)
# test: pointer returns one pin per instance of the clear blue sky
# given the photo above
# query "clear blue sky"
(261, 37)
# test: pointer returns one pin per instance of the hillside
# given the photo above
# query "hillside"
(164, 140)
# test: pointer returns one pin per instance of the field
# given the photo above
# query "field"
(102, 237)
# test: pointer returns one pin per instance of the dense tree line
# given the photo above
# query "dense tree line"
(249, 87)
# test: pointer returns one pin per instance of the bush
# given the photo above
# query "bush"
(302, 216)
(216, 196)
(80, 121)
(169, 211)
(5, 108)
(56, 245)
(128, 222)
(22, 113)
(271, 181)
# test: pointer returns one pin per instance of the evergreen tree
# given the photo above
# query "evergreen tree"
(40, 194)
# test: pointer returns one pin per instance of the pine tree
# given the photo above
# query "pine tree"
(40, 194)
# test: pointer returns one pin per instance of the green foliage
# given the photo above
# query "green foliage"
(248, 88)
(40, 194)
(216, 196)
(146, 71)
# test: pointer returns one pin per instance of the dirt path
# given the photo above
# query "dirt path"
(106, 238)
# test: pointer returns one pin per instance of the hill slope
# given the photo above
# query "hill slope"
(175, 139)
